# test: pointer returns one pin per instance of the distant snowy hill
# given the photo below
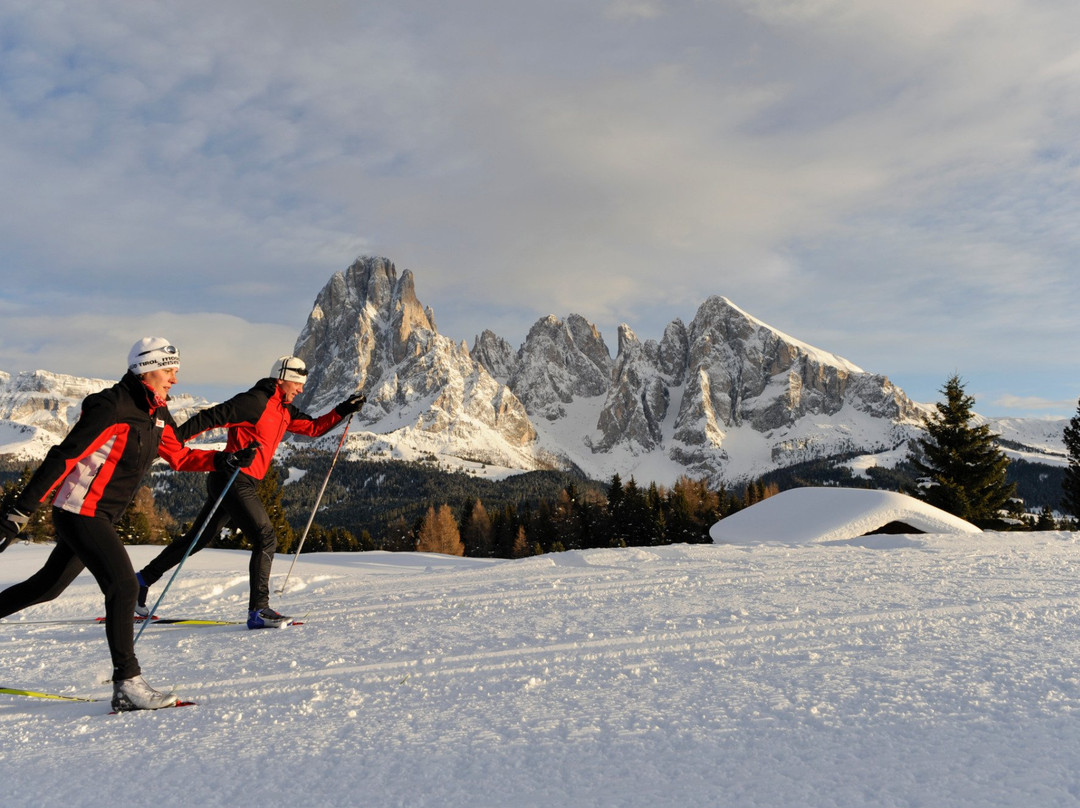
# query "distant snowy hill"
(37, 408)
(726, 397)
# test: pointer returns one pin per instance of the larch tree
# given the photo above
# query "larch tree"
(439, 533)
(476, 533)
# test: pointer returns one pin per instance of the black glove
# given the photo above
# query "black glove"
(11, 524)
(240, 459)
(350, 405)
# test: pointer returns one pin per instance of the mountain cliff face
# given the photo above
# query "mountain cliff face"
(367, 331)
(727, 396)
(560, 362)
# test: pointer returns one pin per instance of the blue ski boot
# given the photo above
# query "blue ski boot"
(266, 618)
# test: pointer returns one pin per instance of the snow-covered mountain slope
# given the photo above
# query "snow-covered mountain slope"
(37, 407)
(1039, 440)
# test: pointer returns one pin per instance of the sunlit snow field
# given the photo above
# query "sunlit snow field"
(917, 670)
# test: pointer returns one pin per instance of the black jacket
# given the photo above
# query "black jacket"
(99, 465)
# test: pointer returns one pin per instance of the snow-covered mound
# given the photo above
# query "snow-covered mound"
(815, 515)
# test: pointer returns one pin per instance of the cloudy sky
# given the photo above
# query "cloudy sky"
(893, 182)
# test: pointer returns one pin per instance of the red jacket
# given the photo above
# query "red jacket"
(260, 414)
(102, 461)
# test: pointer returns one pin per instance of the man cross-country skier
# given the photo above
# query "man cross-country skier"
(95, 472)
(261, 415)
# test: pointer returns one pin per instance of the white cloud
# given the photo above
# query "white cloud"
(1012, 403)
(865, 172)
(216, 350)
(633, 9)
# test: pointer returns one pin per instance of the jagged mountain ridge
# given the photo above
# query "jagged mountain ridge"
(673, 405)
(727, 396)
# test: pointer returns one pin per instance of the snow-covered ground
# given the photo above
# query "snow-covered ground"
(918, 670)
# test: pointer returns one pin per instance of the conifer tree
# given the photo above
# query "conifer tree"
(753, 493)
(329, 540)
(399, 536)
(566, 518)
(142, 522)
(439, 533)
(1046, 520)
(640, 527)
(543, 529)
(504, 525)
(681, 524)
(618, 518)
(133, 527)
(521, 544)
(692, 509)
(340, 540)
(477, 532)
(1070, 485)
(963, 467)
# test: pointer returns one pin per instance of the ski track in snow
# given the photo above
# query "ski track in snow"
(892, 671)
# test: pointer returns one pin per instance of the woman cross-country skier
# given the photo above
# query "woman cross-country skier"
(261, 415)
(95, 472)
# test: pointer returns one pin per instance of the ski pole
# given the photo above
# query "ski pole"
(318, 499)
(190, 547)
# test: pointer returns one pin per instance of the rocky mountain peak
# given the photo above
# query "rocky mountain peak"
(560, 360)
(637, 400)
(369, 331)
(680, 397)
(407, 315)
(495, 354)
(362, 313)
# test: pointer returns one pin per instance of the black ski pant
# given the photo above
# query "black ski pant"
(88, 542)
(242, 509)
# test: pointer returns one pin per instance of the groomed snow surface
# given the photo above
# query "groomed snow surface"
(916, 670)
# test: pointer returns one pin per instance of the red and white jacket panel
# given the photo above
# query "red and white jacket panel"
(259, 414)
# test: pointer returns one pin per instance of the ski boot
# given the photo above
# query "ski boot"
(141, 609)
(266, 618)
(136, 694)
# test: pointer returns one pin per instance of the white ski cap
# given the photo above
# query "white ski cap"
(152, 353)
(289, 369)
